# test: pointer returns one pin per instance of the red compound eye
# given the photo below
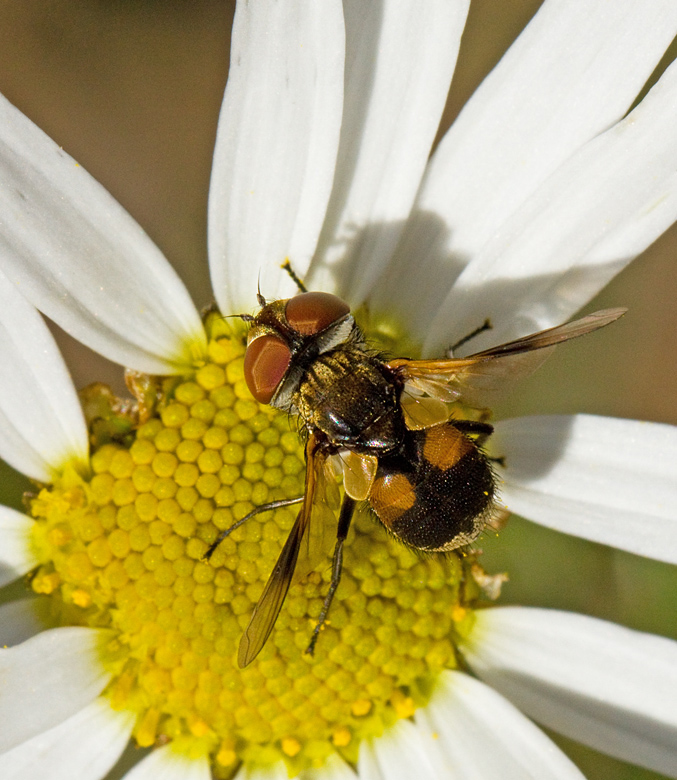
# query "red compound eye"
(311, 312)
(265, 362)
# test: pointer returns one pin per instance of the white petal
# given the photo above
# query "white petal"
(84, 747)
(335, 768)
(41, 422)
(83, 261)
(598, 683)
(400, 56)
(608, 480)
(47, 679)
(399, 754)
(166, 763)
(17, 556)
(22, 619)
(277, 772)
(276, 146)
(473, 733)
(585, 223)
(573, 72)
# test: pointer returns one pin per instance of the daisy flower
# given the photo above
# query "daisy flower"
(543, 189)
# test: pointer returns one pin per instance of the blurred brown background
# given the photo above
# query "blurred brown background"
(132, 90)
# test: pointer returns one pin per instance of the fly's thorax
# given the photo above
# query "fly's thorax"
(308, 353)
(351, 397)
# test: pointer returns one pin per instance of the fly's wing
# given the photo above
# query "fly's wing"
(269, 605)
(553, 336)
(318, 543)
(422, 410)
(475, 378)
(357, 473)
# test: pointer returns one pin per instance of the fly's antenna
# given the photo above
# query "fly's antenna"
(259, 297)
(243, 317)
(287, 267)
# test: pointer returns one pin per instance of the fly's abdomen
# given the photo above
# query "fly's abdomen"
(435, 496)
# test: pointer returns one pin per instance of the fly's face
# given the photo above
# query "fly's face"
(286, 337)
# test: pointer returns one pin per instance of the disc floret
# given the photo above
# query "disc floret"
(123, 549)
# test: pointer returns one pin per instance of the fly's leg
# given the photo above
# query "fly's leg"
(486, 325)
(263, 508)
(345, 516)
(481, 430)
(286, 266)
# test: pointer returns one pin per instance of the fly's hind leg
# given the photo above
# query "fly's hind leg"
(345, 516)
(486, 325)
(286, 266)
(257, 511)
(480, 430)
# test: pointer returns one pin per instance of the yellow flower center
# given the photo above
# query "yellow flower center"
(124, 550)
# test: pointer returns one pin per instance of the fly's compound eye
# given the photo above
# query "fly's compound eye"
(265, 363)
(312, 312)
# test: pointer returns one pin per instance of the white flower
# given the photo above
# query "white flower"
(538, 195)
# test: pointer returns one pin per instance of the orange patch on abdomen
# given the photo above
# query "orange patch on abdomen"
(391, 496)
(444, 446)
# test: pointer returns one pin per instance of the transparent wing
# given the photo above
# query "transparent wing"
(320, 537)
(269, 605)
(422, 411)
(357, 472)
(553, 336)
(474, 379)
